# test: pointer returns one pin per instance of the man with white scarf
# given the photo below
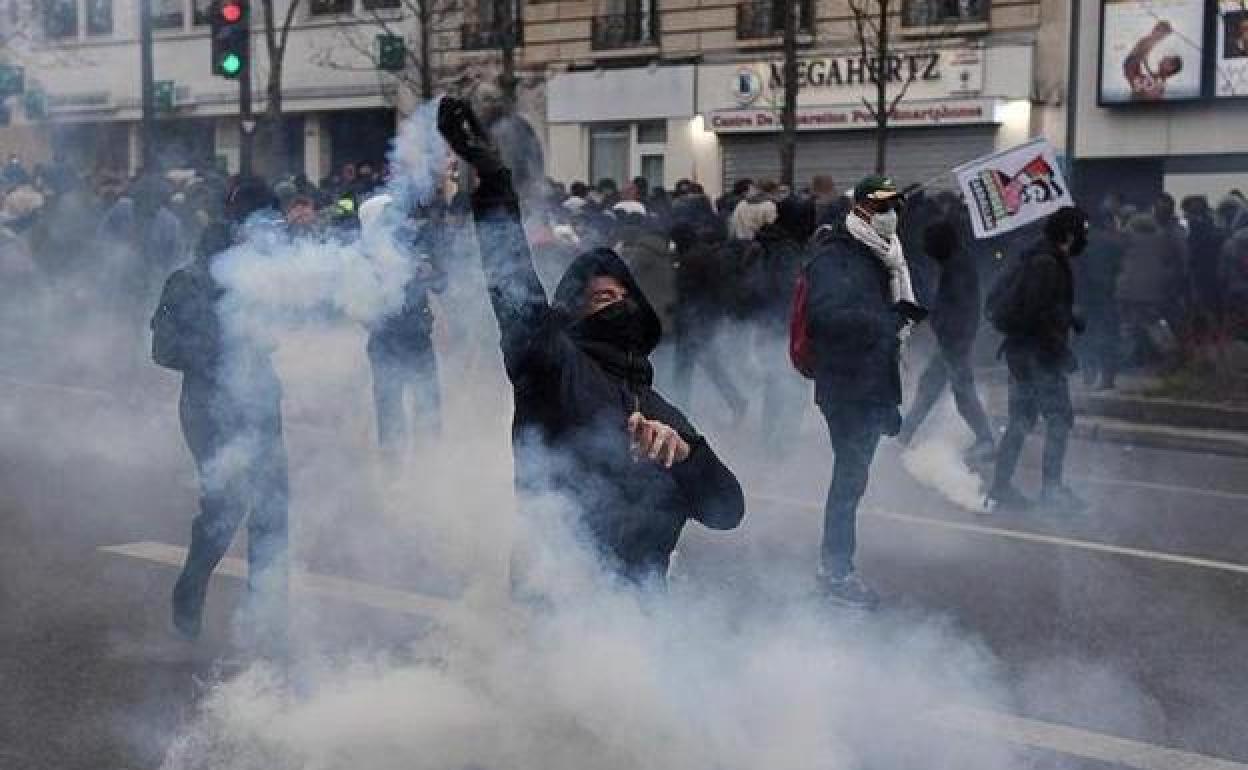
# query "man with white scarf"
(860, 308)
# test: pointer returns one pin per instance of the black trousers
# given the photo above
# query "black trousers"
(241, 460)
(1037, 389)
(855, 431)
(952, 368)
(695, 344)
(399, 368)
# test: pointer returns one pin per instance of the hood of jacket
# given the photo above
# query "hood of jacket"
(570, 293)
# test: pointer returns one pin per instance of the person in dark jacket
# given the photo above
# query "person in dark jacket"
(860, 305)
(1038, 354)
(1096, 297)
(400, 346)
(230, 412)
(588, 427)
(699, 235)
(1204, 251)
(955, 319)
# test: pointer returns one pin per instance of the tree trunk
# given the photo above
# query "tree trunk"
(275, 128)
(426, 64)
(788, 115)
(881, 92)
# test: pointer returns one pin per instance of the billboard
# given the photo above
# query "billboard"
(1231, 54)
(1151, 50)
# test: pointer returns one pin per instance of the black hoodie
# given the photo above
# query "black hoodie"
(573, 400)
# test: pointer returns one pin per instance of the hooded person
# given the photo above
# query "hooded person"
(588, 427)
(230, 414)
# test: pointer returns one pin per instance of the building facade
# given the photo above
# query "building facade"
(1138, 130)
(693, 89)
(666, 89)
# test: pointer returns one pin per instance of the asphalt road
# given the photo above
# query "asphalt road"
(1128, 622)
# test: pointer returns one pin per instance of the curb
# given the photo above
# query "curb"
(1163, 411)
(1198, 440)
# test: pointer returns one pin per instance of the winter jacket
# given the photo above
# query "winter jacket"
(1049, 306)
(645, 248)
(752, 214)
(573, 401)
(1145, 273)
(698, 234)
(852, 323)
(956, 310)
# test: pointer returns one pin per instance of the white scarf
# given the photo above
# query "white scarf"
(888, 252)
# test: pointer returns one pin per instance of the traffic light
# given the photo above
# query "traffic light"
(392, 53)
(231, 38)
(163, 92)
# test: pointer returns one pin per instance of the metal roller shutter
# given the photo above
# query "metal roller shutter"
(914, 154)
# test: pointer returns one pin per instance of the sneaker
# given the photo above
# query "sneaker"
(1007, 497)
(188, 607)
(1059, 499)
(848, 591)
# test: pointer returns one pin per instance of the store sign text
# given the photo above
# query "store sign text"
(962, 112)
(860, 71)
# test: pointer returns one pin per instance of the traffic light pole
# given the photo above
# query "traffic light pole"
(147, 83)
(246, 122)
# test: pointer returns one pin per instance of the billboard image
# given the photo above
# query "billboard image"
(1151, 50)
(1231, 68)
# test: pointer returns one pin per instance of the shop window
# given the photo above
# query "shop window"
(168, 14)
(926, 13)
(99, 17)
(652, 170)
(326, 7)
(60, 19)
(609, 152)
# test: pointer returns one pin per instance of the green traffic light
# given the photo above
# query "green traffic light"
(231, 64)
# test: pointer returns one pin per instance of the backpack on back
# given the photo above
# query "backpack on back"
(801, 346)
(185, 328)
(1005, 305)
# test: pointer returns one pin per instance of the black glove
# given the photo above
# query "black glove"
(459, 125)
(910, 311)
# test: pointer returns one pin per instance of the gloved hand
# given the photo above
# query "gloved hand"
(459, 125)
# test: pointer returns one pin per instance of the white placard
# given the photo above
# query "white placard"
(1009, 189)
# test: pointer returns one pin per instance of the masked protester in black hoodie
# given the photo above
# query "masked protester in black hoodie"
(588, 427)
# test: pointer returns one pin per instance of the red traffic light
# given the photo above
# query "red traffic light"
(232, 12)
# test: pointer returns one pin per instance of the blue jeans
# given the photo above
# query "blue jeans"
(855, 431)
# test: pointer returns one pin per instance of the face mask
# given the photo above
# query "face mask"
(621, 324)
(885, 224)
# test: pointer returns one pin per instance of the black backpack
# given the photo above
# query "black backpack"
(1005, 305)
(186, 331)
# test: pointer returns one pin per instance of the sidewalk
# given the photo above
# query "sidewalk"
(1128, 416)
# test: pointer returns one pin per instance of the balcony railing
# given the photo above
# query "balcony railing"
(765, 18)
(930, 13)
(492, 35)
(633, 29)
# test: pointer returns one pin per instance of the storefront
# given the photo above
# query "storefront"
(624, 123)
(955, 104)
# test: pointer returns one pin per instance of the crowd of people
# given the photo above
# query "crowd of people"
(584, 283)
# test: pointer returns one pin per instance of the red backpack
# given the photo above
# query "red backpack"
(801, 346)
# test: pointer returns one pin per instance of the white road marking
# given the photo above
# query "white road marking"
(1158, 486)
(1030, 537)
(981, 723)
(1073, 742)
(325, 586)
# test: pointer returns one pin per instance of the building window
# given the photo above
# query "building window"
(201, 12)
(168, 14)
(99, 17)
(326, 7)
(927, 13)
(60, 19)
(609, 152)
(382, 5)
(765, 18)
(652, 170)
(625, 24)
(493, 24)
(652, 132)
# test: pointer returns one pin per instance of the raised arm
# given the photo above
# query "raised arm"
(525, 318)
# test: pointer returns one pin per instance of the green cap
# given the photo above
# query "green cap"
(875, 188)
